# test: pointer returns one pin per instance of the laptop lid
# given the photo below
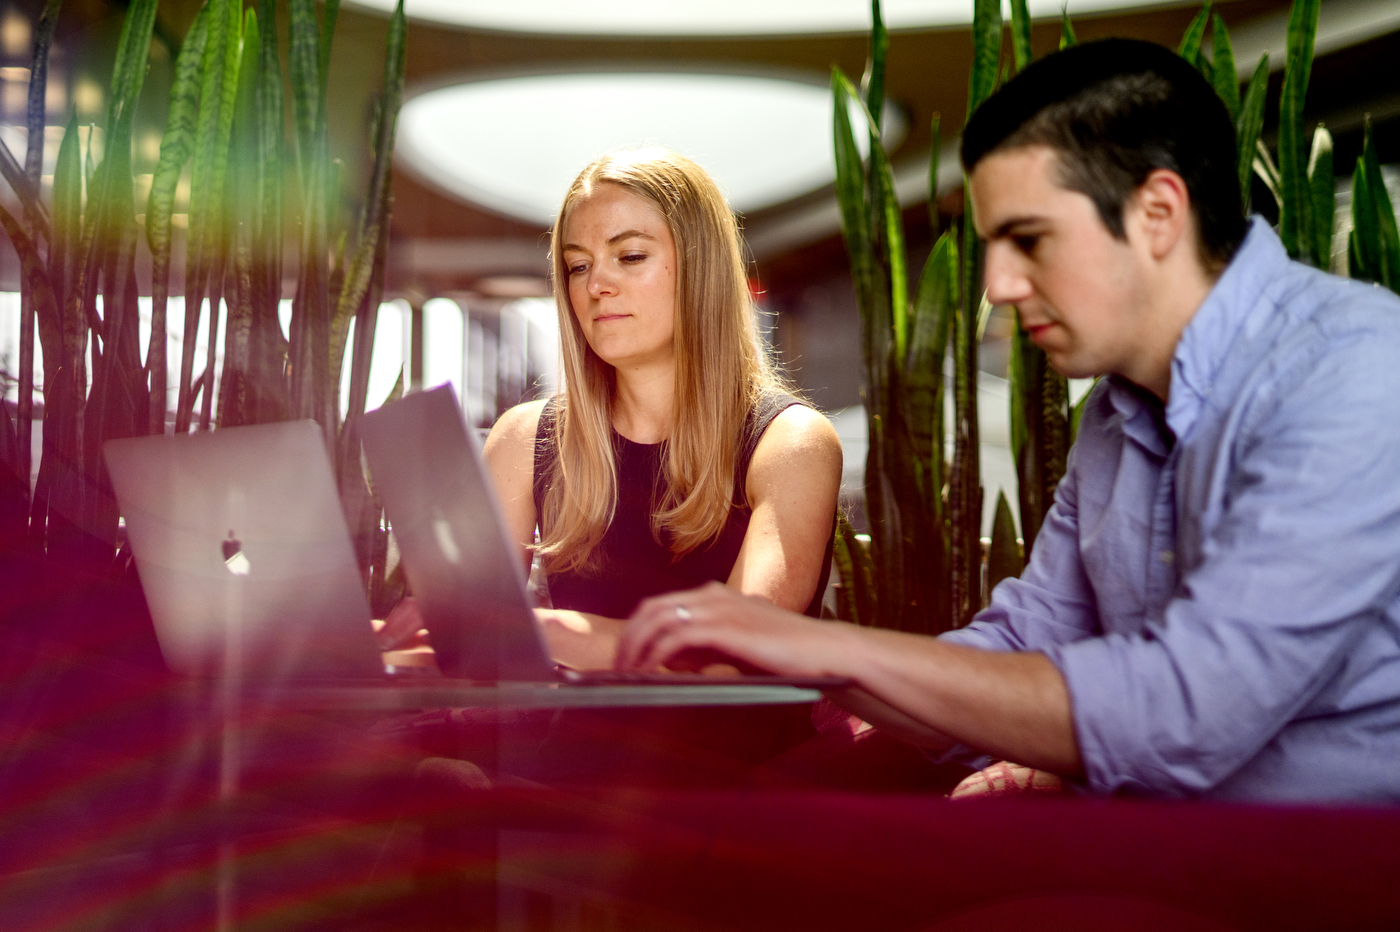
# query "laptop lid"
(463, 569)
(243, 553)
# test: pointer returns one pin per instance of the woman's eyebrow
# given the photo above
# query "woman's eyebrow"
(612, 240)
(628, 234)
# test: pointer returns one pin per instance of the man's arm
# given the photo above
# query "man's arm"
(921, 689)
(1282, 611)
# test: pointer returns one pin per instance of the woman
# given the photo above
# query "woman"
(672, 456)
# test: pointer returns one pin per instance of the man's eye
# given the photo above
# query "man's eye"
(1026, 244)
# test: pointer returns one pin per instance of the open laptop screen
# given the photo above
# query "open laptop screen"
(464, 571)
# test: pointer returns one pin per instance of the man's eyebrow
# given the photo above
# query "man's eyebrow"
(612, 240)
(1008, 226)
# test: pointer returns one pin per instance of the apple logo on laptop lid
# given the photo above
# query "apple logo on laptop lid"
(234, 558)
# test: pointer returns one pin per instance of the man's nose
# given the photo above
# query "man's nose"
(1005, 281)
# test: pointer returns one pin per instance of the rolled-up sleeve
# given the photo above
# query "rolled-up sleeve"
(1051, 602)
(1301, 562)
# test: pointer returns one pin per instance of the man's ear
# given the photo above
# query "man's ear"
(1161, 210)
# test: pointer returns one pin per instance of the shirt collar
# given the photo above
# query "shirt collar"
(1209, 337)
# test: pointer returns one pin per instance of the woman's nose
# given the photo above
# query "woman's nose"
(600, 282)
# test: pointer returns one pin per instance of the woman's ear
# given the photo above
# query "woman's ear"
(1161, 211)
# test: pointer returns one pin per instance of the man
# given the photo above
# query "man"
(1212, 607)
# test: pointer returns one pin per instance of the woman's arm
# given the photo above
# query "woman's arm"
(792, 487)
(578, 639)
(510, 461)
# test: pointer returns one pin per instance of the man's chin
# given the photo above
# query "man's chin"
(1071, 368)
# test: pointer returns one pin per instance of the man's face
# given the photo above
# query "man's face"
(1080, 292)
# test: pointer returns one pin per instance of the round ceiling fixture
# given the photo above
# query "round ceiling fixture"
(514, 145)
(716, 17)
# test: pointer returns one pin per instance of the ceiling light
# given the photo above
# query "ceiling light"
(716, 17)
(515, 144)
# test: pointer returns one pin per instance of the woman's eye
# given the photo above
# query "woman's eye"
(634, 257)
(575, 269)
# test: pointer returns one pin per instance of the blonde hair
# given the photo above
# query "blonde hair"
(720, 372)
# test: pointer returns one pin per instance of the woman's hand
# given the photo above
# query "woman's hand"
(692, 630)
(579, 640)
(403, 629)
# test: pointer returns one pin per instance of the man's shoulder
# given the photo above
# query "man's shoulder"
(1339, 308)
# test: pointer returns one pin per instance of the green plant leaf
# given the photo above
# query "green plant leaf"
(238, 387)
(886, 206)
(205, 253)
(986, 52)
(38, 94)
(25, 190)
(1206, 68)
(176, 146)
(1190, 48)
(934, 152)
(1375, 244)
(850, 187)
(1295, 210)
(1250, 123)
(1322, 188)
(1067, 36)
(1020, 34)
(964, 485)
(304, 58)
(1224, 77)
(922, 379)
(1076, 413)
(359, 293)
(874, 79)
(1267, 171)
(1015, 384)
(1004, 556)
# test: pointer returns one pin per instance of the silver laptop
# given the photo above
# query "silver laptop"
(244, 554)
(461, 565)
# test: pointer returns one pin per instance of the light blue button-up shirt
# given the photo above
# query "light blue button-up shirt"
(1219, 582)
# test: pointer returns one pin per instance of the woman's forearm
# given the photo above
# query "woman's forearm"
(580, 640)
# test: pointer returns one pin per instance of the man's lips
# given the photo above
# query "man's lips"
(1034, 331)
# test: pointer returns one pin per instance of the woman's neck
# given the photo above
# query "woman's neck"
(642, 403)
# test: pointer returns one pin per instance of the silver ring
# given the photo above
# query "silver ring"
(682, 613)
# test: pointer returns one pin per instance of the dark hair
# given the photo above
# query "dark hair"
(1117, 110)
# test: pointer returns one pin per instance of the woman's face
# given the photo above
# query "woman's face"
(620, 259)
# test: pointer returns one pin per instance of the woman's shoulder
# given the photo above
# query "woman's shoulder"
(799, 429)
(517, 428)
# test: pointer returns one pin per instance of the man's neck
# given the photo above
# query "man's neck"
(1177, 287)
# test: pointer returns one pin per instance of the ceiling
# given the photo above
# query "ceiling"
(443, 243)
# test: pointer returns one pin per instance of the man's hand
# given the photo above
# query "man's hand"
(929, 692)
(692, 630)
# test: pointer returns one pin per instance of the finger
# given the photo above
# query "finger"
(650, 615)
(403, 623)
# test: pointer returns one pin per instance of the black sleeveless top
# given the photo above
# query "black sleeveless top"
(630, 564)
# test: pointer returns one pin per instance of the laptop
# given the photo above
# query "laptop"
(244, 555)
(461, 565)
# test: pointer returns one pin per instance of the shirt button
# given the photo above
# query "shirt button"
(1167, 557)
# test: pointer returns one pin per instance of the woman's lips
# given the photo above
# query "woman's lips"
(604, 318)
